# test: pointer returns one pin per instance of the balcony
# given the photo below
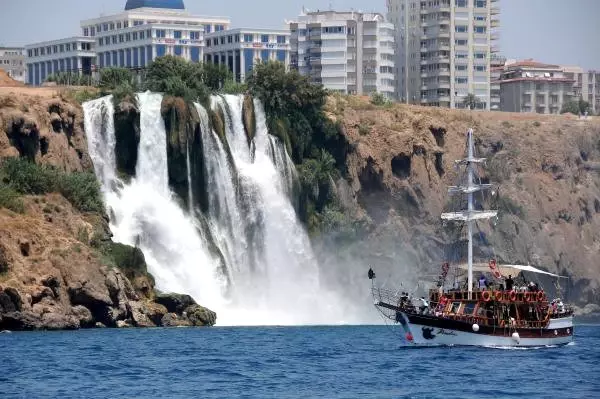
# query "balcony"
(495, 10)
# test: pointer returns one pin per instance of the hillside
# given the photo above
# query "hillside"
(400, 160)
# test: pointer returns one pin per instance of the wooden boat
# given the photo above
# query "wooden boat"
(498, 314)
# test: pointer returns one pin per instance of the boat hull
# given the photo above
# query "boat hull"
(435, 331)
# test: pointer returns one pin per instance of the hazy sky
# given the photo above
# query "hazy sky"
(554, 31)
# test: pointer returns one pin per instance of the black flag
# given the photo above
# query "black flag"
(371, 274)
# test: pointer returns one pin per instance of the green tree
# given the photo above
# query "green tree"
(471, 101)
(576, 107)
(215, 76)
(177, 77)
(110, 78)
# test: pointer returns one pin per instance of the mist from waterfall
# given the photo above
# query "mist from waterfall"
(271, 275)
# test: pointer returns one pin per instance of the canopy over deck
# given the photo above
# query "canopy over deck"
(507, 270)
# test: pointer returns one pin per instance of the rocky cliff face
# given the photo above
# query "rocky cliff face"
(400, 161)
(58, 267)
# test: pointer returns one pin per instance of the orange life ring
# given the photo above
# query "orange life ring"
(513, 296)
(498, 295)
(486, 296)
(497, 273)
(541, 296)
(493, 264)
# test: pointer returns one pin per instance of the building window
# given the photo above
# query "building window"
(208, 43)
(195, 53)
(179, 50)
(92, 31)
(333, 29)
(222, 39)
(461, 42)
(248, 38)
(281, 39)
(215, 41)
(281, 56)
(207, 28)
(62, 48)
(480, 29)
(461, 80)
(264, 55)
(460, 67)
(29, 53)
(479, 68)
(142, 35)
(128, 37)
(481, 3)
(135, 35)
(68, 46)
(86, 32)
(480, 55)
(104, 27)
(161, 33)
(161, 50)
(461, 28)
(118, 25)
(121, 38)
(264, 38)
(112, 27)
(114, 39)
(100, 42)
(248, 60)
(462, 3)
(177, 34)
(195, 35)
(126, 24)
(219, 28)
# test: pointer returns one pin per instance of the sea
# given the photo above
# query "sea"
(286, 362)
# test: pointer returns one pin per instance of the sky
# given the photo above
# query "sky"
(565, 32)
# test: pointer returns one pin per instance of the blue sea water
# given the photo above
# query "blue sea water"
(286, 362)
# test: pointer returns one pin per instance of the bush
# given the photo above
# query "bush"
(81, 189)
(10, 199)
(233, 87)
(379, 99)
(177, 77)
(111, 78)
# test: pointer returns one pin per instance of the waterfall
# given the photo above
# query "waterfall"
(271, 275)
(144, 212)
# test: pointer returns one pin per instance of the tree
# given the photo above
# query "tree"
(215, 76)
(110, 78)
(471, 101)
(177, 77)
(576, 107)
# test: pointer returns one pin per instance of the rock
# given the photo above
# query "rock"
(99, 325)
(155, 312)
(140, 316)
(20, 321)
(41, 293)
(120, 291)
(173, 320)
(53, 283)
(200, 316)
(15, 298)
(90, 296)
(175, 303)
(6, 303)
(83, 314)
(57, 321)
(123, 324)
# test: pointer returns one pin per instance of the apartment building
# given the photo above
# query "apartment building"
(530, 86)
(497, 64)
(348, 52)
(148, 29)
(586, 85)
(240, 49)
(74, 55)
(444, 50)
(12, 61)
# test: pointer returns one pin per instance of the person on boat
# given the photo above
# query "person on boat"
(509, 283)
(424, 308)
(560, 306)
(483, 284)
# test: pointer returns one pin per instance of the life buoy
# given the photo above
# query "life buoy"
(497, 273)
(513, 296)
(486, 296)
(527, 296)
(493, 264)
(540, 296)
(498, 295)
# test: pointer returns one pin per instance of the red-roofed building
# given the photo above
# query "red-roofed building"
(532, 86)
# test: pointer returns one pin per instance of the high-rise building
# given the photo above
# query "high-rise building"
(347, 52)
(444, 49)
(12, 61)
(240, 49)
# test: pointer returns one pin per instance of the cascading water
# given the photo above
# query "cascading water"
(144, 213)
(271, 274)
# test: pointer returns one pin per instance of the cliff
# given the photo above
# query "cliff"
(59, 268)
(400, 160)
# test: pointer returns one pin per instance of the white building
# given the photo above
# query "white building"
(444, 49)
(348, 52)
(586, 85)
(12, 61)
(74, 54)
(240, 49)
(148, 29)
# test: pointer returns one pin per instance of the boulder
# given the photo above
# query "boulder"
(6, 303)
(155, 312)
(53, 283)
(123, 324)
(40, 293)
(175, 303)
(139, 315)
(20, 321)
(200, 316)
(59, 321)
(173, 320)
(83, 314)
(99, 325)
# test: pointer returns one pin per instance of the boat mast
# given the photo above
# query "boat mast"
(470, 210)
(470, 214)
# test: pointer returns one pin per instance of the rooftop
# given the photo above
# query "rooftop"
(169, 4)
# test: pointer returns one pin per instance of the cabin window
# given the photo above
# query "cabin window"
(469, 308)
(455, 307)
